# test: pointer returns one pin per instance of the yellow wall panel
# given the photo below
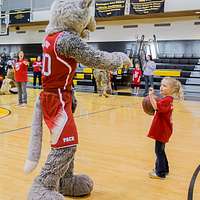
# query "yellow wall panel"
(167, 73)
(75, 82)
(79, 76)
(87, 70)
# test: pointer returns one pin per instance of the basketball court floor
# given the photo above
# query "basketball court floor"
(113, 148)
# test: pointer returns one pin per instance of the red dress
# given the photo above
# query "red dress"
(56, 99)
(161, 127)
(137, 73)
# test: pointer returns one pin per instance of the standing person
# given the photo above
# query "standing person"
(37, 72)
(114, 79)
(161, 128)
(137, 74)
(149, 68)
(21, 78)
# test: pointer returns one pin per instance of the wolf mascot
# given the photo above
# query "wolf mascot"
(63, 48)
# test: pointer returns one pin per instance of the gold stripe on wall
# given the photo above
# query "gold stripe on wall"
(176, 73)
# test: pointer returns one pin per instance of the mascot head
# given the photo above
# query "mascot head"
(71, 15)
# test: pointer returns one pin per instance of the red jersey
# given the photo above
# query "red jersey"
(57, 75)
(37, 66)
(21, 71)
(137, 73)
(58, 71)
(161, 128)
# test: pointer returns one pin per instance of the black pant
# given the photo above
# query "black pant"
(35, 76)
(95, 85)
(161, 165)
(114, 82)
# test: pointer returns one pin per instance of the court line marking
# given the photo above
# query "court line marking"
(192, 182)
(76, 116)
(9, 112)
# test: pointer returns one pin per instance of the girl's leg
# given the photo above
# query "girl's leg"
(19, 87)
(24, 93)
(137, 90)
(161, 164)
(166, 164)
(46, 185)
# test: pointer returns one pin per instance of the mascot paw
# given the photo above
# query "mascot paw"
(76, 186)
(29, 166)
(39, 192)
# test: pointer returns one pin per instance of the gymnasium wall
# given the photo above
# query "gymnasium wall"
(178, 5)
(170, 6)
(178, 30)
(168, 30)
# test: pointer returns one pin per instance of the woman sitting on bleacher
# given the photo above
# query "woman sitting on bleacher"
(148, 69)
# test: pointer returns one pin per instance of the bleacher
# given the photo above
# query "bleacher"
(84, 80)
(188, 74)
(186, 69)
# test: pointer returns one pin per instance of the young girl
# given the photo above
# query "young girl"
(137, 73)
(21, 78)
(161, 128)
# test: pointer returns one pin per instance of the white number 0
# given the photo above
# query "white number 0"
(46, 63)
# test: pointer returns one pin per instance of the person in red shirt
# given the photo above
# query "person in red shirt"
(137, 74)
(37, 71)
(161, 128)
(21, 78)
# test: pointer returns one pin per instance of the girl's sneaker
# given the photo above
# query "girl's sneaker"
(155, 176)
(166, 174)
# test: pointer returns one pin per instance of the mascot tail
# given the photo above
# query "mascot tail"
(35, 143)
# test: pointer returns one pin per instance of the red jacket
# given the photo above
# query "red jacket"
(37, 66)
(21, 71)
(161, 127)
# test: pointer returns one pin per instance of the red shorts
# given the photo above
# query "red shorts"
(57, 112)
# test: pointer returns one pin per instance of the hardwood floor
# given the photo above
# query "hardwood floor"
(113, 148)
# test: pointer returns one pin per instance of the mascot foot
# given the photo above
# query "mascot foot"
(76, 186)
(39, 192)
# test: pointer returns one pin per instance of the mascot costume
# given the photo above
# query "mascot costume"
(8, 85)
(63, 49)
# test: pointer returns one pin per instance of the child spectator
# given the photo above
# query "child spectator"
(137, 74)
